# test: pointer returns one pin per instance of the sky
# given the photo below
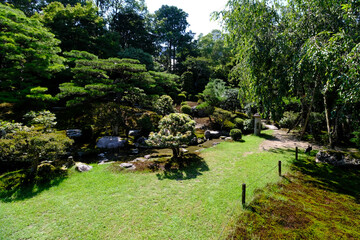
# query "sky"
(199, 12)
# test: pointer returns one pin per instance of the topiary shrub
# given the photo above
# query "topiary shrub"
(186, 109)
(236, 134)
(288, 119)
(239, 123)
(45, 172)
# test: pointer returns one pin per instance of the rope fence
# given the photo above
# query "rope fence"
(244, 186)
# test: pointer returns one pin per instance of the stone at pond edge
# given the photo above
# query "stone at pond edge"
(82, 167)
(73, 133)
(228, 139)
(134, 133)
(139, 159)
(211, 134)
(110, 142)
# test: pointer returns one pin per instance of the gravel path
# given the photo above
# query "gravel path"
(281, 139)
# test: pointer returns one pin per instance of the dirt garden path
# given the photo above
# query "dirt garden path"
(282, 139)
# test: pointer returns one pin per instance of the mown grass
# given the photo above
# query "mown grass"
(316, 201)
(193, 202)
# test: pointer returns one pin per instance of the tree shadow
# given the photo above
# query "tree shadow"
(26, 189)
(339, 179)
(187, 167)
(268, 137)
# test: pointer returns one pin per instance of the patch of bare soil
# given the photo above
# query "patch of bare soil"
(282, 139)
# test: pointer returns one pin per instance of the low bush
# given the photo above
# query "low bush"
(186, 109)
(236, 134)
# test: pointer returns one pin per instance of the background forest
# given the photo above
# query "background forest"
(107, 67)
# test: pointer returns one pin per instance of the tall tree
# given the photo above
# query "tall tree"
(79, 27)
(28, 54)
(170, 27)
(132, 30)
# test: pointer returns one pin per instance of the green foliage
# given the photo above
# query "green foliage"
(28, 54)
(236, 134)
(197, 74)
(11, 181)
(288, 119)
(186, 109)
(356, 138)
(45, 119)
(204, 109)
(113, 119)
(135, 37)
(181, 97)
(174, 129)
(170, 26)
(33, 146)
(249, 126)
(148, 122)
(231, 100)
(78, 27)
(214, 92)
(164, 105)
(138, 54)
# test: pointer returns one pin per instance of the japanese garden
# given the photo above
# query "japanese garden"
(121, 123)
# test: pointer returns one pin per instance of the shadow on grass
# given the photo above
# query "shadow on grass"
(344, 180)
(268, 137)
(21, 188)
(188, 167)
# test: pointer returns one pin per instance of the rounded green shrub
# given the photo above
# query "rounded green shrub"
(239, 123)
(183, 103)
(236, 134)
(186, 109)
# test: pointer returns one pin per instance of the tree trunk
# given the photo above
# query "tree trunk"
(176, 152)
(308, 113)
(327, 116)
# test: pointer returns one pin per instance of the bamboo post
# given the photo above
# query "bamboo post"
(243, 194)
(280, 168)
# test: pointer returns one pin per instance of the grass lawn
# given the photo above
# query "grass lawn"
(194, 203)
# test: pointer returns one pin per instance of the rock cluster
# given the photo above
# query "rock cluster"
(336, 158)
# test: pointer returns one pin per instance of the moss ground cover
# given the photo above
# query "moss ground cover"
(191, 203)
(315, 201)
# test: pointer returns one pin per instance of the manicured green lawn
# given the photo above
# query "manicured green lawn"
(101, 204)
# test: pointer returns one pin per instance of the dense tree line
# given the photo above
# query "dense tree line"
(302, 56)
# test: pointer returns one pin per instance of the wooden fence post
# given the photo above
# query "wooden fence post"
(280, 168)
(243, 194)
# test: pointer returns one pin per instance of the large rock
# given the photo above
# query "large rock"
(73, 133)
(82, 167)
(110, 142)
(211, 134)
(128, 166)
(336, 158)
